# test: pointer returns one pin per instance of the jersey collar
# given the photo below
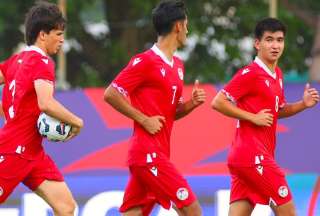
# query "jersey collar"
(259, 62)
(36, 49)
(158, 52)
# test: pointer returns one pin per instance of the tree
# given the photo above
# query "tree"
(309, 14)
(220, 36)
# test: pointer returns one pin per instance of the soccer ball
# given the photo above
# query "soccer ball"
(52, 129)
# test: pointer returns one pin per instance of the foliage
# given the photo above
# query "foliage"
(221, 31)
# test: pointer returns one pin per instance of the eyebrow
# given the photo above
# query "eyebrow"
(271, 37)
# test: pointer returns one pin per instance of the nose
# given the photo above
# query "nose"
(275, 44)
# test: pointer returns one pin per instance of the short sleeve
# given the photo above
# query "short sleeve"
(43, 68)
(240, 85)
(131, 76)
(282, 101)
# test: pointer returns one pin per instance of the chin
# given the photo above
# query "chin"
(182, 44)
(273, 58)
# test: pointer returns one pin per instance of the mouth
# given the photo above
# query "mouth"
(275, 53)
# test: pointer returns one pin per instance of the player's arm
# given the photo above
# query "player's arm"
(1, 77)
(49, 105)
(151, 124)
(223, 105)
(198, 97)
(310, 98)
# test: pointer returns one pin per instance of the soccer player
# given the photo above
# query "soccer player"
(28, 79)
(255, 96)
(154, 80)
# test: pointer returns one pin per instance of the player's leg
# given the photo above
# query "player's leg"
(167, 185)
(287, 209)
(267, 185)
(240, 193)
(136, 200)
(46, 180)
(192, 209)
(58, 196)
(240, 208)
(135, 211)
(13, 170)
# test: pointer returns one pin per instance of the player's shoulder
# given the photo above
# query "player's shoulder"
(140, 59)
(248, 70)
(34, 55)
(38, 60)
(11, 59)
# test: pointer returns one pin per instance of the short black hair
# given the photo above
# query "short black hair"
(166, 13)
(269, 24)
(43, 16)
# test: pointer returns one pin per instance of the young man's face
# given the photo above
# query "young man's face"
(270, 46)
(183, 31)
(53, 41)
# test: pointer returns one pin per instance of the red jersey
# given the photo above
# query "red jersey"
(19, 101)
(154, 85)
(254, 88)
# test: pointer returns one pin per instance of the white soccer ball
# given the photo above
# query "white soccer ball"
(52, 129)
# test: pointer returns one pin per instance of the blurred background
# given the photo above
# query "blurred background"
(102, 35)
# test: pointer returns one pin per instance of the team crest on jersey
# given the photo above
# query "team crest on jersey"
(280, 82)
(182, 194)
(283, 191)
(180, 73)
(20, 61)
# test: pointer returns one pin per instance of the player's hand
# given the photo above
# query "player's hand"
(75, 130)
(153, 124)
(198, 94)
(263, 118)
(310, 96)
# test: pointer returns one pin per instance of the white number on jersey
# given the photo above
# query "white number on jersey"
(12, 88)
(174, 89)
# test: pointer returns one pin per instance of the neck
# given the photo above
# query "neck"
(41, 46)
(270, 64)
(167, 45)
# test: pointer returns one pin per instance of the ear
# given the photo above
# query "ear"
(257, 44)
(42, 35)
(178, 26)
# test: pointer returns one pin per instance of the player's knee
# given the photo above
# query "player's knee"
(65, 208)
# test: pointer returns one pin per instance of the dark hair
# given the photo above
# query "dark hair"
(269, 24)
(166, 13)
(43, 16)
